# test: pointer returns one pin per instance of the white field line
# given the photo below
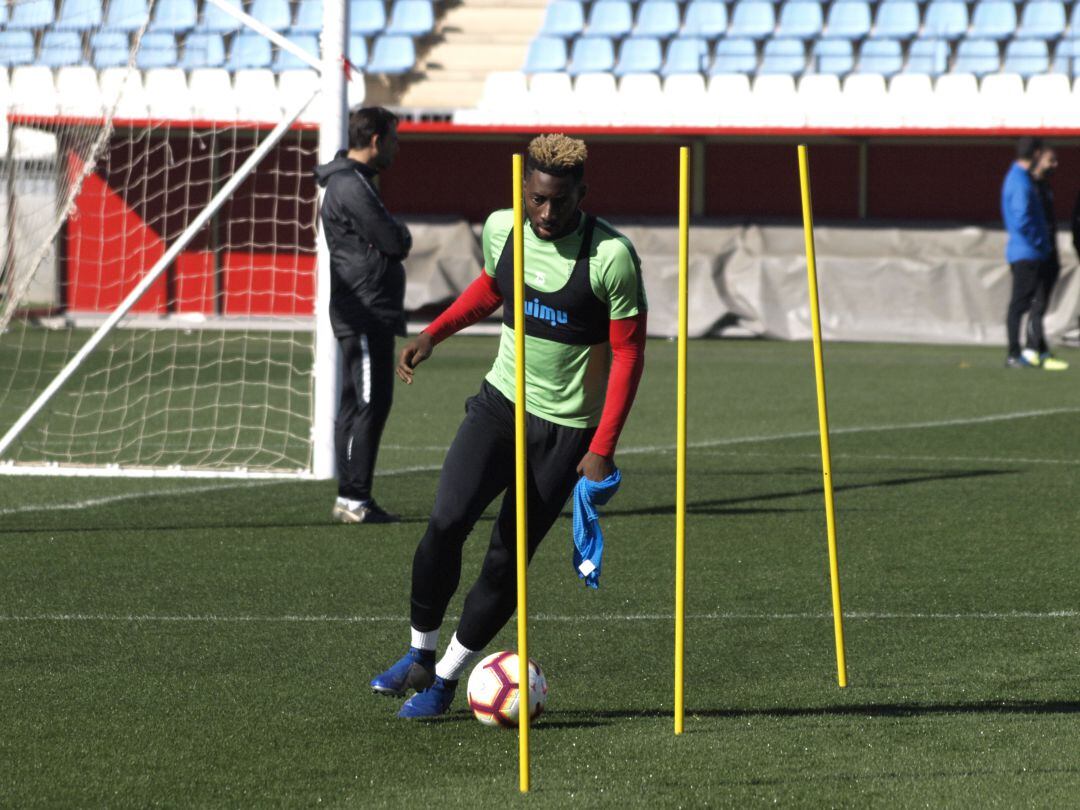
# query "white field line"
(541, 617)
(887, 457)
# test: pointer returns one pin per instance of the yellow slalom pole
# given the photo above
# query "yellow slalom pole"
(519, 482)
(680, 438)
(823, 415)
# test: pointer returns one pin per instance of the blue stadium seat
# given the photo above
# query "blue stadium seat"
(734, 55)
(882, 56)
(1042, 19)
(109, 49)
(274, 14)
(393, 55)
(249, 51)
(639, 55)
(705, 18)
(78, 15)
(833, 56)
(157, 49)
(753, 19)
(16, 48)
(358, 50)
(657, 18)
(125, 15)
(1067, 57)
(411, 18)
(309, 17)
(216, 21)
(686, 55)
(1026, 57)
(800, 19)
(848, 19)
(203, 49)
(993, 19)
(284, 60)
(61, 49)
(783, 56)
(929, 56)
(591, 55)
(30, 15)
(897, 19)
(1074, 22)
(367, 17)
(978, 57)
(945, 19)
(610, 18)
(546, 55)
(174, 16)
(563, 18)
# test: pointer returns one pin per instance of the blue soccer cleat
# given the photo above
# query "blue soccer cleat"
(416, 670)
(432, 702)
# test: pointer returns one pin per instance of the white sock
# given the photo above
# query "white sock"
(455, 660)
(425, 641)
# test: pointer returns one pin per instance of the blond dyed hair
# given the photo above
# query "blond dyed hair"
(557, 154)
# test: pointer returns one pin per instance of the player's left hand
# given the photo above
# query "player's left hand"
(595, 467)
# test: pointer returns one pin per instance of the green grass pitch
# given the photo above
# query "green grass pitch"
(188, 643)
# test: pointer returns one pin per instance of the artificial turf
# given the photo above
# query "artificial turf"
(195, 643)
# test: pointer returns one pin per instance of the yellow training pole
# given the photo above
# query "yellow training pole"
(519, 484)
(823, 415)
(680, 438)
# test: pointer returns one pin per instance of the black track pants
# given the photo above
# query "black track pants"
(1048, 276)
(367, 391)
(480, 466)
(1025, 283)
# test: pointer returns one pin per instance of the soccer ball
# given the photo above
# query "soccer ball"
(493, 690)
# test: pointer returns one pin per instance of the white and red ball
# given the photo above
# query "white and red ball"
(493, 690)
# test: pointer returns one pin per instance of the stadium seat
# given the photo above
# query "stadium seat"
(641, 100)
(610, 18)
(730, 99)
(1074, 22)
(274, 14)
(77, 91)
(596, 98)
(833, 56)
(591, 55)
(212, 96)
(1067, 57)
(734, 55)
(294, 86)
(548, 96)
(657, 18)
(800, 19)
(125, 15)
(929, 56)
(504, 100)
(977, 57)
(546, 54)
(1026, 58)
(27, 15)
(897, 19)
(256, 96)
(78, 15)
(309, 17)
(174, 16)
(848, 19)
(686, 100)
(203, 50)
(993, 19)
(392, 55)
(705, 18)
(109, 49)
(250, 51)
(1042, 19)
(216, 21)
(686, 55)
(956, 97)
(167, 94)
(821, 101)
(1002, 99)
(16, 48)
(563, 18)
(867, 101)
(783, 56)
(156, 50)
(367, 17)
(358, 51)
(945, 19)
(122, 90)
(61, 49)
(1050, 97)
(33, 91)
(775, 102)
(411, 18)
(284, 60)
(638, 55)
(882, 56)
(911, 98)
(752, 19)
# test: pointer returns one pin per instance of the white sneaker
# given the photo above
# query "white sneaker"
(353, 512)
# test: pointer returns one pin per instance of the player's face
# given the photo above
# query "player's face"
(1046, 164)
(386, 148)
(552, 204)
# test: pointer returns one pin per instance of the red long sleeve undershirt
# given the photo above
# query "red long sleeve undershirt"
(626, 335)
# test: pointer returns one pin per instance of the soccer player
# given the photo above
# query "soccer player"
(585, 341)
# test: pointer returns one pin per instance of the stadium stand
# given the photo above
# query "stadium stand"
(78, 15)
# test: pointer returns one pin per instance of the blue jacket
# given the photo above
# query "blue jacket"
(1025, 219)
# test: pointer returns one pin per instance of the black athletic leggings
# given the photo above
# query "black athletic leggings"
(367, 391)
(1032, 285)
(480, 466)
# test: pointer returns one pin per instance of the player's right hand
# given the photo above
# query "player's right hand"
(416, 351)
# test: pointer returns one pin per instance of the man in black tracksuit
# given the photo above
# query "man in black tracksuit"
(367, 293)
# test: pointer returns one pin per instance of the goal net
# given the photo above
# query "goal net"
(159, 238)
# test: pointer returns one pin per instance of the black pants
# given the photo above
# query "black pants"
(367, 391)
(480, 466)
(1044, 289)
(1025, 278)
